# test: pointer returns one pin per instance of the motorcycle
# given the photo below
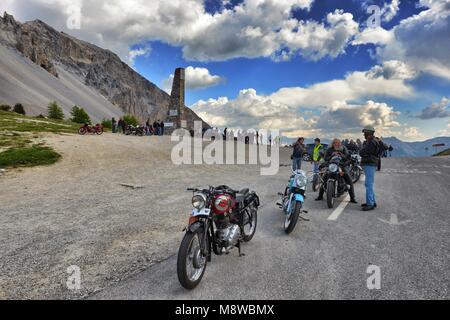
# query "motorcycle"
(86, 128)
(332, 179)
(136, 131)
(355, 167)
(222, 219)
(292, 200)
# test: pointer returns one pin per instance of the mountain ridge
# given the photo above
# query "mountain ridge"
(97, 68)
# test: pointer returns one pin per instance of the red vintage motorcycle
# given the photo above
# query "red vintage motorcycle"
(221, 220)
(97, 129)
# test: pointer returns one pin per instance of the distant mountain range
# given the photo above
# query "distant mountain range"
(402, 148)
(417, 149)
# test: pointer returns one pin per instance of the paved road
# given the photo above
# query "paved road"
(407, 237)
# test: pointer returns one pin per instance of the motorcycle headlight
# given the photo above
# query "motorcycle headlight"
(301, 180)
(333, 167)
(198, 201)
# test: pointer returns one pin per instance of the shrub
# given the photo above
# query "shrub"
(18, 108)
(55, 111)
(129, 119)
(5, 107)
(79, 115)
(107, 124)
(28, 156)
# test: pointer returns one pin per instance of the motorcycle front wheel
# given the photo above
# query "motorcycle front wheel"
(191, 264)
(82, 131)
(330, 194)
(292, 217)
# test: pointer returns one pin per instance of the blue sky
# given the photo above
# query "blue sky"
(306, 67)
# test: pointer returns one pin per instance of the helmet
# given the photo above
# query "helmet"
(368, 129)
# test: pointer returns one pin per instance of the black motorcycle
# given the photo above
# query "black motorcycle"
(135, 131)
(222, 219)
(355, 168)
(332, 179)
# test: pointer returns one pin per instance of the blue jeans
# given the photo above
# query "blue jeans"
(316, 166)
(369, 171)
(297, 164)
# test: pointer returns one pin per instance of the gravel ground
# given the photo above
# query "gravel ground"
(76, 212)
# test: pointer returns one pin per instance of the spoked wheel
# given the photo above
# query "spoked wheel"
(356, 174)
(191, 263)
(250, 222)
(292, 217)
(82, 131)
(99, 131)
(316, 182)
(330, 194)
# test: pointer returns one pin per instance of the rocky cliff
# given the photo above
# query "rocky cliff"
(97, 68)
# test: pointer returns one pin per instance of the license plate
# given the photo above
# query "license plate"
(202, 212)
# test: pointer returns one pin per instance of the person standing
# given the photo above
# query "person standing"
(120, 125)
(297, 155)
(161, 128)
(155, 128)
(113, 125)
(317, 154)
(369, 160)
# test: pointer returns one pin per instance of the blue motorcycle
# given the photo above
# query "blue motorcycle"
(292, 200)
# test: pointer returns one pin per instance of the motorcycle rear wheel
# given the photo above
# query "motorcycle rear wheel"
(330, 194)
(316, 182)
(356, 175)
(251, 216)
(292, 218)
(191, 264)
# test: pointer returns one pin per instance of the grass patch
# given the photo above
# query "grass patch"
(443, 153)
(19, 138)
(28, 157)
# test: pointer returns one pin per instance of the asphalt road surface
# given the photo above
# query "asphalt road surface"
(407, 237)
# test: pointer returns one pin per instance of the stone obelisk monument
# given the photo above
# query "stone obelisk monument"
(177, 97)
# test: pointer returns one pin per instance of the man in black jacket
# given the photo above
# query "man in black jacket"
(337, 149)
(370, 156)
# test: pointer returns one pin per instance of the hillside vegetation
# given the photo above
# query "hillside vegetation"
(443, 153)
(20, 139)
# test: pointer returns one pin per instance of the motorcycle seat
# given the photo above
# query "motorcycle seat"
(244, 191)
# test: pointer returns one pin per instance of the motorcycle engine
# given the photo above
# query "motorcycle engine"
(228, 237)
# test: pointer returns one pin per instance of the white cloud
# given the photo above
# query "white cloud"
(436, 110)
(254, 28)
(378, 36)
(390, 10)
(388, 80)
(421, 41)
(445, 132)
(196, 78)
(133, 54)
(351, 118)
(250, 110)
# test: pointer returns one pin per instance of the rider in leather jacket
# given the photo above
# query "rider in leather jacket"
(338, 149)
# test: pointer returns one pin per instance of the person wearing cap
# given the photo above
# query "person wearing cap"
(369, 160)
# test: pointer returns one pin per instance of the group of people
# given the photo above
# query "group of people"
(157, 128)
(369, 150)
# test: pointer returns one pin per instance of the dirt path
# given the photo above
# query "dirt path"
(77, 213)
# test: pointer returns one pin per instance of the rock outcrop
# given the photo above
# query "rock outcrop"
(99, 69)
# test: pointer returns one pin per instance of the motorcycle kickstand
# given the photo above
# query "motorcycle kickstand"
(239, 249)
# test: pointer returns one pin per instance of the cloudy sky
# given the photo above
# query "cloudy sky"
(307, 67)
